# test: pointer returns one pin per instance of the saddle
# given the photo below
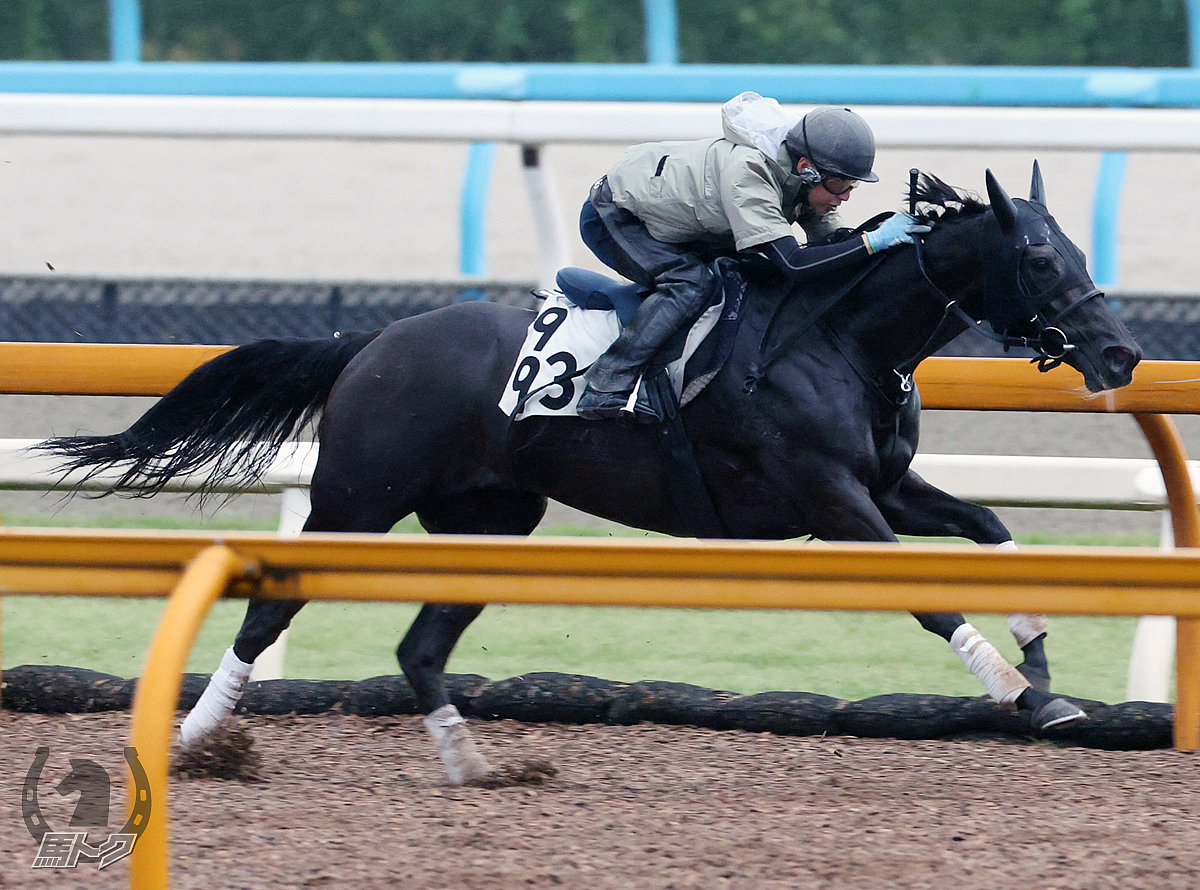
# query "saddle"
(592, 290)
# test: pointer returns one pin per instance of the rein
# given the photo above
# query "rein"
(768, 357)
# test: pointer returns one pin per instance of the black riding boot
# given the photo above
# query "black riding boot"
(612, 377)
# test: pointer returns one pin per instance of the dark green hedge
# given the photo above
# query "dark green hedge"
(923, 32)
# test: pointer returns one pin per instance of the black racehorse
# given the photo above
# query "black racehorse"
(808, 429)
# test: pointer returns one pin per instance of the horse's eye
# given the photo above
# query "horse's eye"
(1041, 264)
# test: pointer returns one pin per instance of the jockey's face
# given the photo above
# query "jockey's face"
(820, 197)
(823, 201)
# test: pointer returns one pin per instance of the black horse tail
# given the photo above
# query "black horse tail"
(226, 420)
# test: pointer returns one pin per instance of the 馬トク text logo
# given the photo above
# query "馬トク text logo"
(66, 849)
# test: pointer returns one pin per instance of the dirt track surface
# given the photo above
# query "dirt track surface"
(356, 802)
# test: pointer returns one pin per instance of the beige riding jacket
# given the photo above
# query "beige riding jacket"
(689, 191)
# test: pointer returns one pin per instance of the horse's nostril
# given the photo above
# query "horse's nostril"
(1121, 360)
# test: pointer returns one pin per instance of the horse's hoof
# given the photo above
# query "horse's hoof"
(469, 767)
(464, 764)
(1058, 712)
(1038, 677)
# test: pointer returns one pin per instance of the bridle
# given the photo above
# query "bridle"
(1049, 341)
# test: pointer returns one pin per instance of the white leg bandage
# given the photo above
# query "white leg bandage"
(220, 697)
(455, 746)
(1002, 681)
(1027, 627)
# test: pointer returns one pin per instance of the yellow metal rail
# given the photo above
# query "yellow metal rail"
(1005, 384)
(1012, 384)
(639, 572)
(723, 574)
(471, 565)
(98, 369)
(733, 575)
(207, 577)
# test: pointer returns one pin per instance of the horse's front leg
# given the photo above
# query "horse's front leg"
(1003, 682)
(423, 654)
(914, 507)
(1029, 629)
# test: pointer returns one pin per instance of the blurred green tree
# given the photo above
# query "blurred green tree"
(917, 32)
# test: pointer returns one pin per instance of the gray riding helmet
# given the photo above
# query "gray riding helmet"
(837, 141)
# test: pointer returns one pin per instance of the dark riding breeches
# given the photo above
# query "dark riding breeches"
(680, 275)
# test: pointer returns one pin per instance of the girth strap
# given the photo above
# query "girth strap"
(858, 363)
(685, 481)
(893, 404)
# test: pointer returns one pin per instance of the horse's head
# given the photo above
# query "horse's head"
(1037, 292)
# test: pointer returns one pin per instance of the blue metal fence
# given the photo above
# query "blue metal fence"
(125, 30)
(816, 84)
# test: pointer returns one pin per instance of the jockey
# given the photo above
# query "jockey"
(666, 210)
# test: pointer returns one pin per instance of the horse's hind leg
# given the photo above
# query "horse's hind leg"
(427, 645)
(422, 655)
(265, 620)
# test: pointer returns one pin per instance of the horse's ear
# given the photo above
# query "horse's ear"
(1037, 192)
(1002, 204)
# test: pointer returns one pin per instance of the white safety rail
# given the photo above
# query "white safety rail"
(1108, 483)
(25, 469)
(538, 122)
(994, 480)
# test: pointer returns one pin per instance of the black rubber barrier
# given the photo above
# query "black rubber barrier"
(570, 698)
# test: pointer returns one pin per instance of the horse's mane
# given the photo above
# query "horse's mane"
(938, 201)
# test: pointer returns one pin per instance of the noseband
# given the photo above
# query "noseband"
(1051, 342)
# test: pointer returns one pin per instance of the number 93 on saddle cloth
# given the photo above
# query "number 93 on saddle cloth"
(576, 323)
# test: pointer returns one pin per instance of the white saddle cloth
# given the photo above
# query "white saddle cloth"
(562, 343)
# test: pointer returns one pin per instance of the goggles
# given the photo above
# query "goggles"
(838, 186)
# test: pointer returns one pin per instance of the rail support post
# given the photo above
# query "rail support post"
(1167, 445)
(1187, 684)
(206, 577)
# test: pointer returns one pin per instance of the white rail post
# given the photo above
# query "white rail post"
(554, 250)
